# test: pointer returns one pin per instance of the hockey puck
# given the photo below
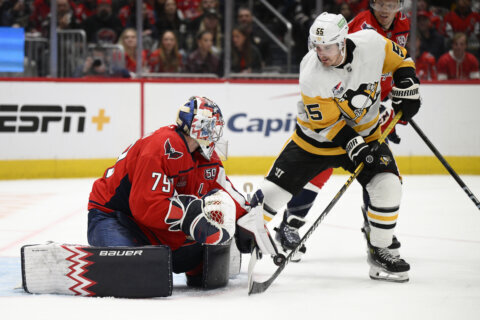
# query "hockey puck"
(279, 259)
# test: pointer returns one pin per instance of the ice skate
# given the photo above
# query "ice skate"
(385, 266)
(288, 237)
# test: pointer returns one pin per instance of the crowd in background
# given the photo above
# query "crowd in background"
(187, 35)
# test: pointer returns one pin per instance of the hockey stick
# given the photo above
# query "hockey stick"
(445, 164)
(259, 287)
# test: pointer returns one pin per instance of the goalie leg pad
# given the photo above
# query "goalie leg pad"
(127, 272)
(216, 266)
(214, 271)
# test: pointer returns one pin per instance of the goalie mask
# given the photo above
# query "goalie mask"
(328, 33)
(201, 119)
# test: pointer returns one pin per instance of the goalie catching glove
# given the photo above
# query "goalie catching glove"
(210, 220)
(406, 97)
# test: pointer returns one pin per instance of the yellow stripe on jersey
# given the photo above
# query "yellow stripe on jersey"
(333, 151)
(322, 112)
(330, 151)
(332, 133)
(367, 125)
(395, 58)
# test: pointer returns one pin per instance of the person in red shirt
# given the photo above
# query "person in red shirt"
(128, 40)
(458, 63)
(462, 19)
(386, 19)
(167, 57)
(170, 188)
(84, 10)
(425, 64)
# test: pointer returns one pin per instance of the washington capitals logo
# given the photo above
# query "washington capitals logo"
(171, 152)
(366, 26)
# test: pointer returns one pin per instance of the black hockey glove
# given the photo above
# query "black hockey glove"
(406, 97)
(359, 151)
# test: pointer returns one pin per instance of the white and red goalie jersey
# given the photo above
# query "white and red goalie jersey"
(147, 176)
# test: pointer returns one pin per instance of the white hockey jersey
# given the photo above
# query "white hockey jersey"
(348, 95)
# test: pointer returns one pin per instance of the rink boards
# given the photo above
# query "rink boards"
(77, 128)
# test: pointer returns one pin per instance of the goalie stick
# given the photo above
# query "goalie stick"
(445, 164)
(280, 260)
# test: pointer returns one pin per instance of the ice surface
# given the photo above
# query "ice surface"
(439, 228)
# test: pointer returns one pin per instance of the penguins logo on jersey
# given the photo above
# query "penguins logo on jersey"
(359, 100)
(385, 160)
(171, 152)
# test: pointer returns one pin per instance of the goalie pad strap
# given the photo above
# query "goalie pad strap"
(128, 272)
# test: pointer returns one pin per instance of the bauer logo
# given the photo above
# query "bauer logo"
(41, 118)
(120, 253)
(242, 122)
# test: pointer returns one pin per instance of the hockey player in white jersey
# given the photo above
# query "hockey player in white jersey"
(338, 126)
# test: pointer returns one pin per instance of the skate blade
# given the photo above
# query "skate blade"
(297, 257)
(382, 275)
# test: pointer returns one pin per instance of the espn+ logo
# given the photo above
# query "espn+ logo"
(240, 122)
(40, 118)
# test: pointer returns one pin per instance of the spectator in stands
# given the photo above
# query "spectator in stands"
(432, 41)
(190, 9)
(245, 19)
(211, 23)
(203, 60)
(301, 22)
(158, 9)
(96, 66)
(173, 20)
(85, 9)
(458, 63)
(206, 6)
(425, 63)
(462, 19)
(39, 18)
(128, 17)
(128, 40)
(346, 11)
(14, 13)
(65, 16)
(167, 57)
(246, 57)
(435, 20)
(103, 26)
(357, 6)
